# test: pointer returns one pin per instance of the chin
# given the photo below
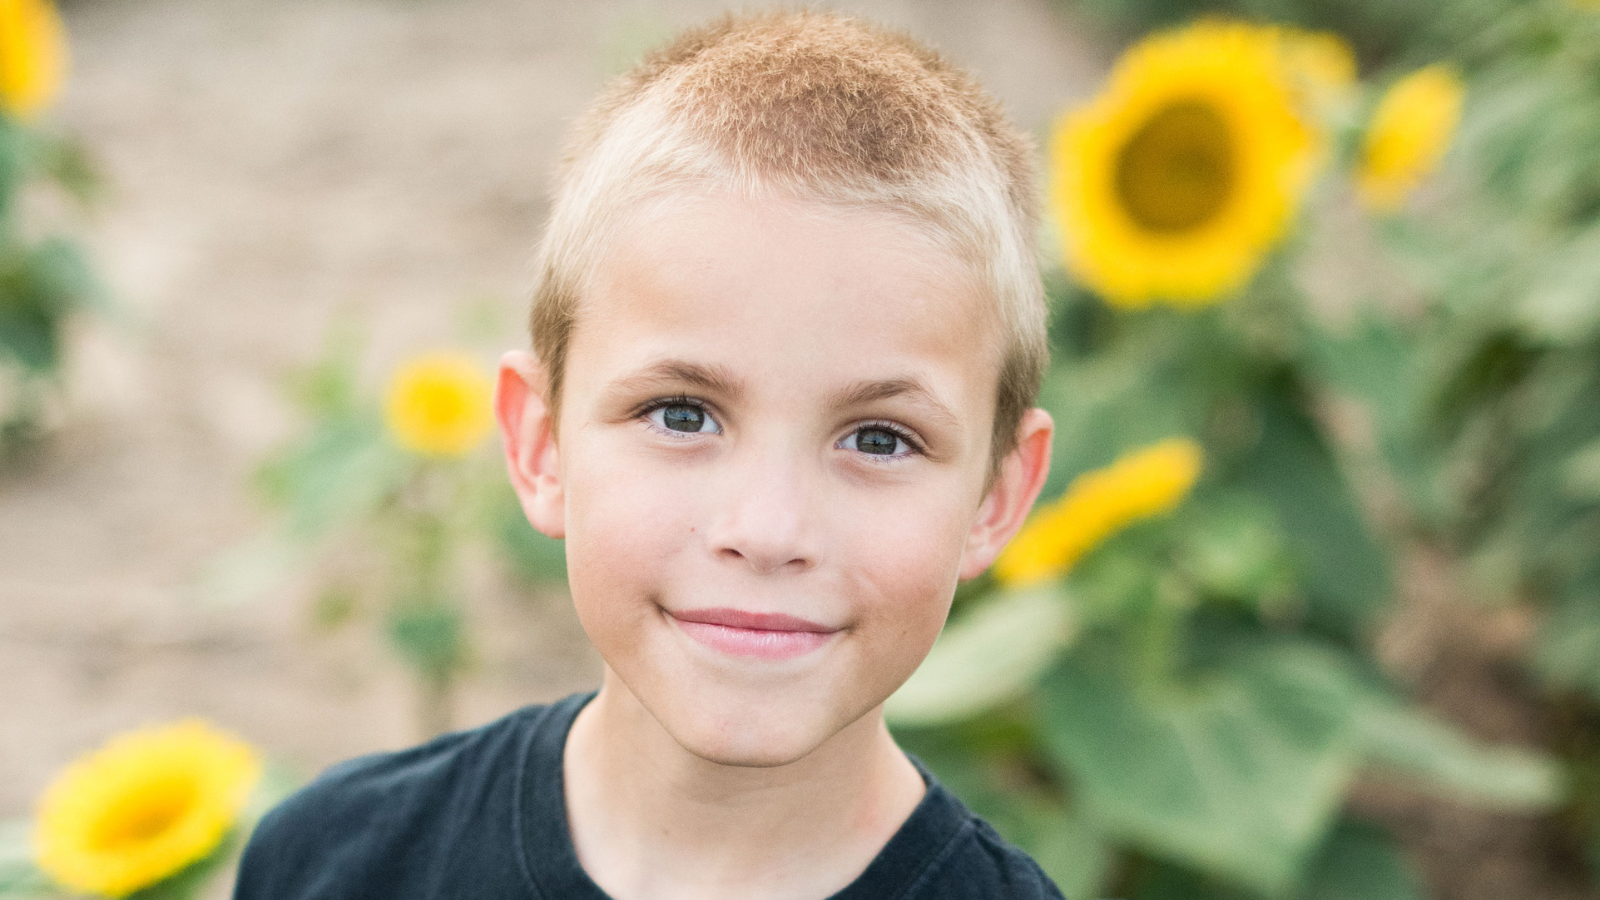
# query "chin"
(754, 754)
(738, 735)
(731, 728)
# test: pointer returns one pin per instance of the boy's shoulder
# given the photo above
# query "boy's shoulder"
(480, 814)
(435, 820)
(957, 855)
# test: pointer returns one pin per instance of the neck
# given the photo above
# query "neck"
(652, 821)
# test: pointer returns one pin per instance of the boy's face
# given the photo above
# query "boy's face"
(770, 466)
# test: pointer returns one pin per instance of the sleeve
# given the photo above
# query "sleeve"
(369, 828)
(1016, 874)
(314, 841)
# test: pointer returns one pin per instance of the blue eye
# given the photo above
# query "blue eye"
(876, 441)
(879, 440)
(683, 418)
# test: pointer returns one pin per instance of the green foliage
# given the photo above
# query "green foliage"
(1239, 774)
(990, 656)
(1357, 861)
(1498, 419)
(1293, 470)
(1199, 732)
(44, 281)
(1360, 861)
(1432, 752)
(1198, 691)
(382, 529)
(1382, 31)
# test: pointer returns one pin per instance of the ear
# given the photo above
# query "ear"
(1011, 497)
(529, 436)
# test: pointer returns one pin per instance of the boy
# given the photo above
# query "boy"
(787, 331)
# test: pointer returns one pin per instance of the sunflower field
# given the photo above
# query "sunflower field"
(1170, 685)
(1325, 289)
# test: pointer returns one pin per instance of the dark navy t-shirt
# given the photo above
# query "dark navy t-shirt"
(481, 814)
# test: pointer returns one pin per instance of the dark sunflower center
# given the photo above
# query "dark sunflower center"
(1177, 169)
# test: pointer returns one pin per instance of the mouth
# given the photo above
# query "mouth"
(761, 635)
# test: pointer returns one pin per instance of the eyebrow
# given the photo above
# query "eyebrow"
(863, 392)
(720, 380)
(712, 379)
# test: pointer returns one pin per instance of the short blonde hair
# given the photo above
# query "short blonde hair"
(815, 107)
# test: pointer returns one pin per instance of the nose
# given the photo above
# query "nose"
(766, 519)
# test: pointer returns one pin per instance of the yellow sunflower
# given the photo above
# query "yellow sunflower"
(1409, 133)
(33, 55)
(439, 404)
(1144, 483)
(144, 806)
(1174, 182)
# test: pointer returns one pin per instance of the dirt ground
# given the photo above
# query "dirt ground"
(271, 164)
(268, 164)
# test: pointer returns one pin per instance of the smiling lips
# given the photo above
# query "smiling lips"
(763, 635)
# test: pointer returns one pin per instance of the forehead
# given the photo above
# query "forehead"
(774, 284)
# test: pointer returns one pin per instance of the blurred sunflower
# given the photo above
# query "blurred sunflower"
(33, 55)
(439, 404)
(1097, 504)
(144, 806)
(1175, 181)
(1410, 131)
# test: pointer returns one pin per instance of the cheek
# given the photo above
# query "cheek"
(906, 577)
(622, 531)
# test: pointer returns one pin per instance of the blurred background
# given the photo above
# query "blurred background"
(1310, 608)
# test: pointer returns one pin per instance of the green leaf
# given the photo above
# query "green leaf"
(1239, 777)
(1233, 548)
(1582, 474)
(30, 320)
(68, 162)
(991, 655)
(1381, 365)
(39, 288)
(430, 637)
(62, 275)
(1162, 881)
(1567, 653)
(1069, 850)
(1413, 743)
(13, 153)
(1563, 306)
(1292, 468)
(1360, 861)
(346, 470)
